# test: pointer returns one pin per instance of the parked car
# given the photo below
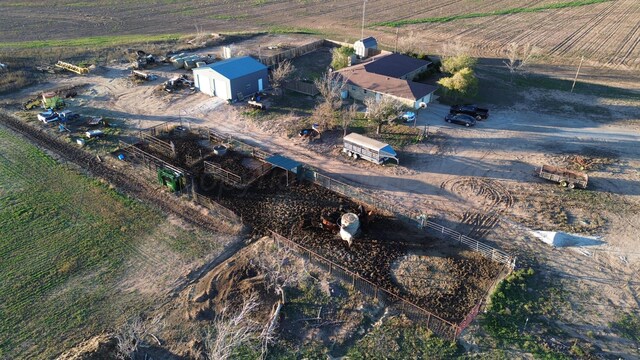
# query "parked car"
(67, 115)
(48, 116)
(461, 119)
(407, 116)
(471, 110)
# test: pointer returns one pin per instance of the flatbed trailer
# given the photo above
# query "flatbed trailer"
(565, 177)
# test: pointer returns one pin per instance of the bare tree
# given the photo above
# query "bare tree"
(132, 333)
(329, 86)
(278, 268)
(129, 337)
(280, 272)
(518, 57)
(454, 48)
(348, 115)
(232, 330)
(380, 111)
(410, 44)
(280, 73)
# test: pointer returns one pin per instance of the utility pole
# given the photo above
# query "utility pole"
(364, 5)
(577, 72)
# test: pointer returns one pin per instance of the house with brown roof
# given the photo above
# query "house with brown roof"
(389, 75)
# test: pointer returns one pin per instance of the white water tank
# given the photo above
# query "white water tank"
(349, 226)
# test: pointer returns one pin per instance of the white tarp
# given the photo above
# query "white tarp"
(562, 239)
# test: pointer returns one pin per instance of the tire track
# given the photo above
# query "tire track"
(565, 45)
(630, 38)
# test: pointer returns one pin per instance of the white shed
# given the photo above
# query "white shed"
(232, 78)
(365, 47)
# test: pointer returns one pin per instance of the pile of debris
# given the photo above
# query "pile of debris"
(143, 60)
(178, 83)
(143, 76)
(188, 62)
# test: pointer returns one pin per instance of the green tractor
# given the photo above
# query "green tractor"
(55, 103)
(174, 180)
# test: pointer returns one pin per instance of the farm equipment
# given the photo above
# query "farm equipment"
(309, 134)
(177, 83)
(174, 180)
(52, 101)
(32, 104)
(565, 177)
(143, 75)
(73, 68)
(259, 102)
(143, 59)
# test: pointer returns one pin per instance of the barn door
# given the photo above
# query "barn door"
(260, 85)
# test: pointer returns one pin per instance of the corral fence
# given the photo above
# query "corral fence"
(235, 144)
(436, 324)
(419, 219)
(215, 207)
(166, 148)
(162, 128)
(235, 179)
(302, 87)
(291, 53)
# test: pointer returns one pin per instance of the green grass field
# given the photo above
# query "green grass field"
(92, 41)
(66, 243)
(508, 11)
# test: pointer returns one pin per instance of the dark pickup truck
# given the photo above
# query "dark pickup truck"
(476, 112)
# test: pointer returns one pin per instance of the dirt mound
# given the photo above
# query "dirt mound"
(99, 347)
(229, 284)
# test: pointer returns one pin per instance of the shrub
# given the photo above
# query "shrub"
(457, 63)
(340, 57)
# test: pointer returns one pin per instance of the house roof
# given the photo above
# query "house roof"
(235, 67)
(393, 65)
(369, 42)
(358, 76)
(370, 143)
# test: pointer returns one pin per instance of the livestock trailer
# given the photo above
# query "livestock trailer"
(360, 146)
(564, 177)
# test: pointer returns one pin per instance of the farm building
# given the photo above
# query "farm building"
(366, 47)
(233, 78)
(389, 75)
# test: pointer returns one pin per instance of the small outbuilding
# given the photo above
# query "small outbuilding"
(366, 47)
(233, 78)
